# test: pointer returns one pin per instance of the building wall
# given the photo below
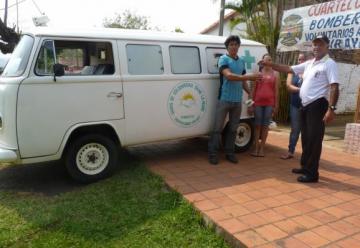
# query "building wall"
(349, 77)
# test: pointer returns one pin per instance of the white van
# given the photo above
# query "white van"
(80, 95)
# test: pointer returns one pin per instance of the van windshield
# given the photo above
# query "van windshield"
(19, 59)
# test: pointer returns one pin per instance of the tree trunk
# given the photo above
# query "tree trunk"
(221, 21)
(6, 12)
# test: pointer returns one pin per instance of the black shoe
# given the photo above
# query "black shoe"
(232, 158)
(298, 171)
(307, 179)
(213, 159)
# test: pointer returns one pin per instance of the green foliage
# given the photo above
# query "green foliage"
(8, 38)
(261, 18)
(284, 101)
(178, 30)
(127, 20)
(288, 58)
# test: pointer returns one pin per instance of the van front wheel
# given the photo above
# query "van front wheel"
(91, 157)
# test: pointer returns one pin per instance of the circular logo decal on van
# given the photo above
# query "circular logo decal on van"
(187, 104)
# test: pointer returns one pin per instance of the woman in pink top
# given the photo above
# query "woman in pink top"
(265, 96)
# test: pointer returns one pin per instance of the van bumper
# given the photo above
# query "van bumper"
(7, 156)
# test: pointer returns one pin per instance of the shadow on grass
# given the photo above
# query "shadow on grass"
(48, 178)
(40, 206)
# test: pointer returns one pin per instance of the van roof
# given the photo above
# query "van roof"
(115, 33)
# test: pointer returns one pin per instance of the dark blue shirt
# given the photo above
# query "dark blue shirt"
(294, 97)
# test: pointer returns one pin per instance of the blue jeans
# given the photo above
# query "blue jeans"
(222, 109)
(263, 115)
(295, 127)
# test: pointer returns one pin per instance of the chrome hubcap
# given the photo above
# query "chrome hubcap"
(243, 135)
(92, 158)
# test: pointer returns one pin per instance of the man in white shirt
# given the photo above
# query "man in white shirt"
(320, 75)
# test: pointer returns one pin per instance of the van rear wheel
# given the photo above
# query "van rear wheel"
(91, 157)
(244, 135)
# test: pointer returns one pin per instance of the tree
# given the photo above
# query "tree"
(127, 20)
(178, 30)
(262, 18)
(9, 38)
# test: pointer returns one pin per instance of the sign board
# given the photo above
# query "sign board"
(338, 19)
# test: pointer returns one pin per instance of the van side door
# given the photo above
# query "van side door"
(89, 92)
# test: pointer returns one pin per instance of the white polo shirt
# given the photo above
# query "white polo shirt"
(317, 77)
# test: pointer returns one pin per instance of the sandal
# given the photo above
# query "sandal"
(261, 151)
(287, 156)
(254, 154)
(261, 154)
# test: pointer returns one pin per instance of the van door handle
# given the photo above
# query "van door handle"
(115, 94)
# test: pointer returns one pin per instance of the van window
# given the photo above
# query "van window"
(144, 59)
(185, 60)
(19, 59)
(78, 57)
(212, 58)
(46, 59)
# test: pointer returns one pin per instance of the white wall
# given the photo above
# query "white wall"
(349, 77)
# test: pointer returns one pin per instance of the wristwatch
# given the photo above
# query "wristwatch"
(332, 107)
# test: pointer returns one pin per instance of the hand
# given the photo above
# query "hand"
(254, 76)
(329, 116)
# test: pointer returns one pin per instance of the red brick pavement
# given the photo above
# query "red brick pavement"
(258, 203)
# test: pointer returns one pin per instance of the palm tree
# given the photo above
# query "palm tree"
(262, 18)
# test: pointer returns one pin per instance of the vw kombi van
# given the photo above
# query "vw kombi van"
(80, 95)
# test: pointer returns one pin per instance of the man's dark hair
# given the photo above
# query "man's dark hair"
(232, 38)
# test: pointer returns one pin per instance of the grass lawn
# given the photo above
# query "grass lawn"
(131, 209)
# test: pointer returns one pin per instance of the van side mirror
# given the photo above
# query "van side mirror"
(59, 70)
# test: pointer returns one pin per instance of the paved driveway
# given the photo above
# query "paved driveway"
(258, 202)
